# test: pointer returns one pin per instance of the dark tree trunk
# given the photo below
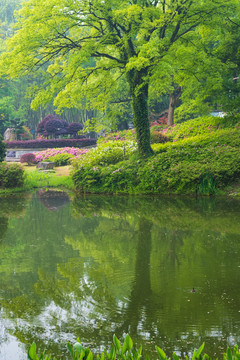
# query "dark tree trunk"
(139, 93)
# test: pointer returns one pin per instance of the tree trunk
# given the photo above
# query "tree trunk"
(139, 93)
(170, 120)
(173, 100)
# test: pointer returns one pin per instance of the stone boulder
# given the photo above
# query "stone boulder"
(9, 134)
(45, 165)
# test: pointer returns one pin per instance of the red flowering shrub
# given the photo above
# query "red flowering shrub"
(28, 158)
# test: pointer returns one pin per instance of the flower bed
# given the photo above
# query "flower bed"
(49, 143)
(51, 153)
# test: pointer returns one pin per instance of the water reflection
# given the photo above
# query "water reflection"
(52, 199)
(105, 265)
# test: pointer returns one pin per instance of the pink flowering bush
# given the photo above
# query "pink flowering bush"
(53, 154)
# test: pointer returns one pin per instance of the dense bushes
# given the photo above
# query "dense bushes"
(61, 159)
(50, 143)
(156, 136)
(202, 126)
(107, 153)
(201, 164)
(11, 175)
(2, 149)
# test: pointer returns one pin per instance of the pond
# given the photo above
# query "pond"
(96, 266)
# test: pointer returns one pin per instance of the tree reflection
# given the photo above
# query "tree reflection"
(123, 264)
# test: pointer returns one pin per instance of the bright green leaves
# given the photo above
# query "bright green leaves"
(126, 352)
(117, 343)
(87, 47)
(32, 355)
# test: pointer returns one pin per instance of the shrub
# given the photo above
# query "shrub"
(28, 158)
(61, 159)
(49, 153)
(110, 153)
(201, 164)
(129, 135)
(2, 150)
(158, 137)
(11, 175)
(50, 143)
(203, 125)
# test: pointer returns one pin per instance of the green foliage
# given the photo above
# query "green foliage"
(163, 41)
(32, 355)
(2, 150)
(156, 136)
(129, 135)
(11, 175)
(126, 351)
(207, 185)
(201, 164)
(40, 179)
(203, 125)
(61, 159)
(106, 154)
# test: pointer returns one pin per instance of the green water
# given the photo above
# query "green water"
(96, 266)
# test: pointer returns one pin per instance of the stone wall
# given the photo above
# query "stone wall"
(15, 154)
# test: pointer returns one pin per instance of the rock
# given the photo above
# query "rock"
(9, 134)
(44, 165)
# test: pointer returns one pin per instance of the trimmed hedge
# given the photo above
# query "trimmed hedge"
(50, 143)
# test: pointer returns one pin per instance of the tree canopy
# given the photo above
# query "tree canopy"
(87, 46)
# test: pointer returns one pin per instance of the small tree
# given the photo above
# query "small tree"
(28, 158)
(52, 126)
(52, 122)
(74, 128)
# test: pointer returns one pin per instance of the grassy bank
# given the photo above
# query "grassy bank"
(201, 157)
(33, 179)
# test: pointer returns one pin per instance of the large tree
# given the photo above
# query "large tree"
(89, 44)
